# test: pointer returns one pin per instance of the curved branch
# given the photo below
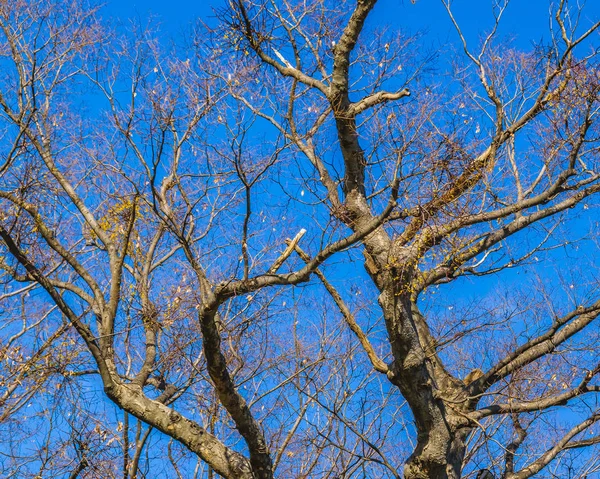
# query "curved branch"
(562, 329)
(564, 443)
(235, 288)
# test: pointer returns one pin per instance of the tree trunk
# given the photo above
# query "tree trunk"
(438, 455)
(419, 375)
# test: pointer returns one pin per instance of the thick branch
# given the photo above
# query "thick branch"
(562, 329)
(234, 403)
(376, 99)
(226, 462)
(551, 453)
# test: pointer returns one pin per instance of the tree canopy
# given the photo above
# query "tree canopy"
(298, 242)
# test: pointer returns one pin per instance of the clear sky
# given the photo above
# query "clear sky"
(527, 19)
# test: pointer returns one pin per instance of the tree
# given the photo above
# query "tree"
(261, 244)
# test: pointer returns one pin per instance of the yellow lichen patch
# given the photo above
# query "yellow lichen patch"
(117, 218)
(116, 223)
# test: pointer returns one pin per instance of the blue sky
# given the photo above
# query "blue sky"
(527, 17)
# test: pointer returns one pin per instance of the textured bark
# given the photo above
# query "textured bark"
(226, 462)
(417, 373)
(424, 383)
(234, 403)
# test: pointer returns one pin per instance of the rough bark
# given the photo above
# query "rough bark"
(226, 462)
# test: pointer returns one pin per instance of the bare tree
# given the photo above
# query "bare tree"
(259, 244)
